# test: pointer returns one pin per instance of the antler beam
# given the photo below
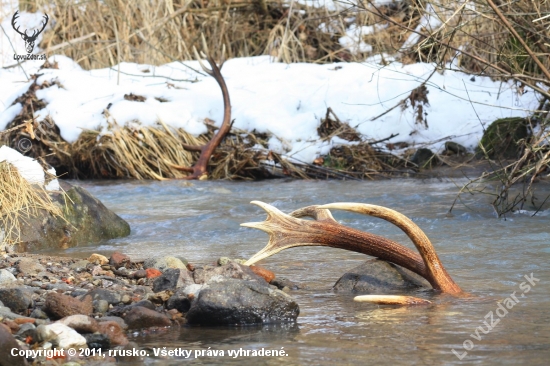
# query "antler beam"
(287, 231)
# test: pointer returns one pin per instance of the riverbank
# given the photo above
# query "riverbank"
(49, 302)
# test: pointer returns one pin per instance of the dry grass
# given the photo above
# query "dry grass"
(19, 200)
(134, 151)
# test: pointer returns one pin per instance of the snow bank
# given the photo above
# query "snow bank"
(28, 167)
(285, 100)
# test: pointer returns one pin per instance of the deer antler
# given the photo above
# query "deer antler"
(198, 171)
(286, 231)
(13, 19)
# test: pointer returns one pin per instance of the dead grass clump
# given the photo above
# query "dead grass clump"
(134, 151)
(19, 200)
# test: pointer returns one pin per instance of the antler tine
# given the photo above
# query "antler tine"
(13, 19)
(203, 66)
(314, 212)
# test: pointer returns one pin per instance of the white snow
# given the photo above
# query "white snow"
(28, 167)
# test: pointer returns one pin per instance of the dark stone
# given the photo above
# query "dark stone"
(455, 148)
(140, 274)
(87, 220)
(171, 279)
(37, 313)
(502, 138)
(60, 306)
(27, 330)
(180, 300)
(121, 310)
(118, 260)
(18, 299)
(425, 158)
(230, 270)
(97, 340)
(140, 317)
(102, 294)
(7, 343)
(228, 301)
(281, 283)
(379, 277)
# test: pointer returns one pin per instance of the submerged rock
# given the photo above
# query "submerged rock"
(379, 277)
(229, 301)
(86, 220)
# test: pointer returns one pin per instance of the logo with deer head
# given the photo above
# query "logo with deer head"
(29, 40)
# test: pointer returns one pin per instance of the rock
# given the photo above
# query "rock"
(379, 277)
(60, 335)
(152, 273)
(25, 331)
(501, 138)
(173, 278)
(228, 301)
(222, 261)
(98, 341)
(281, 283)
(118, 260)
(38, 314)
(230, 270)
(80, 265)
(114, 331)
(7, 343)
(140, 317)
(60, 306)
(140, 274)
(183, 297)
(6, 277)
(80, 323)
(18, 299)
(100, 306)
(162, 263)
(266, 274)
(29, 266)
(115, 319)
(425, 158)
(86, 220)
(111, 297)
(6, 313)
(455, 148)
(98, 259)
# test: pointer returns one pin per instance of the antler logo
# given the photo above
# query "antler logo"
(29, 40)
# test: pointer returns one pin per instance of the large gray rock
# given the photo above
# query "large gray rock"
(379, 277)
(18, 299)
(7, 343)
(229, 301)
(87, 221)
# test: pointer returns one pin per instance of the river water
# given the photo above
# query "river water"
(486, 256)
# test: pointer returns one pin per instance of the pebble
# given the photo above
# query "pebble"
(153, 273)
(6, 277)
(29, 266)
(80, 323)
(140, 317)
(61, 335)
(59, 306)
(98, 259)
(163, 263)
(17, 299)
(266, 274)
(119, 260)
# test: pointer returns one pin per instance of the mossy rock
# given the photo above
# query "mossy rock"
(86, 220)
(425, 158)
(502, 139)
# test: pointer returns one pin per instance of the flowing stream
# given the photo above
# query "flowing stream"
(486, 256)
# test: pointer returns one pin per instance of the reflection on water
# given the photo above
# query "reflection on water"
(486, 257)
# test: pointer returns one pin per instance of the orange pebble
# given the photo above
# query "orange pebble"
(153, 272)
(24, 320)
